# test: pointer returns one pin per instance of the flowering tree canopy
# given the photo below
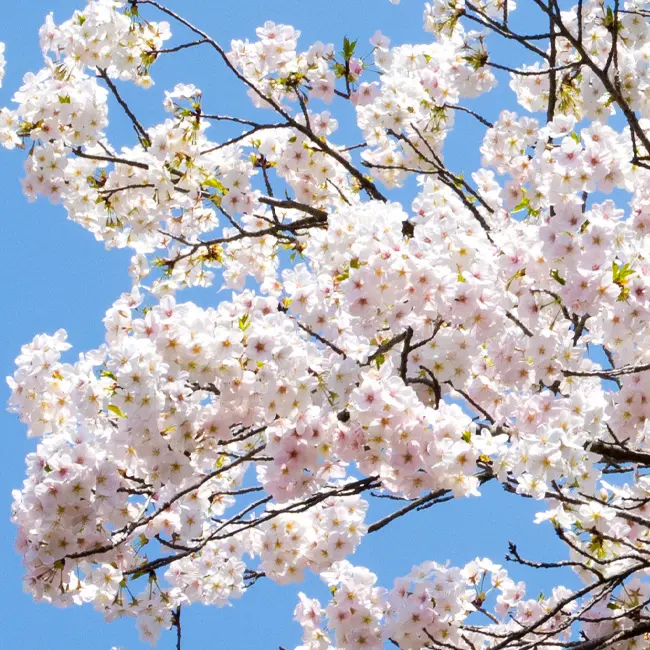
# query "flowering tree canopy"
(495, 329)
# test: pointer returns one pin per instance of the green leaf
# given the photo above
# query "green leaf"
(348, 48)
(116, 410)
(244, 322)
(339, 70)
(556, 276)
(597, 547)
(344, 275)
(138, 574)
(519, 274)
(524, 204)
(476, 60)
(621, 273)
(213, 182)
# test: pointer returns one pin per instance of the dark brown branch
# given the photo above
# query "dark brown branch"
(474, 403)
(320, 338)
(364, 183)
(448, 178)
(177, 48)
(112, 159)
(510, 316)
(432, 496)
(126, 532)
(294, 205)
(514, 556)
(143, 136)
(502, 30)
(404, 357)
(237, 527)
(386, 347)
(176, 622)
(469, 111)
(533, 73)
(630, 115)
(243, 136)
(620, 454)
(607, 373)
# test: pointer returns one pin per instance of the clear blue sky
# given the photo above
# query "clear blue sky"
(56, 275)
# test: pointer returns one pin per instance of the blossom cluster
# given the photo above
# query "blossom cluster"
(495, 328)
(288, 544)
(432, 603)
(103, 37)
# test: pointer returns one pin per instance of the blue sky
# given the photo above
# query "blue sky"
(56, 275)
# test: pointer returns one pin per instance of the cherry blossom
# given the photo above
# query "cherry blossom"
(491, 327)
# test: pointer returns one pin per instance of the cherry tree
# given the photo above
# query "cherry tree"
(492, 330)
